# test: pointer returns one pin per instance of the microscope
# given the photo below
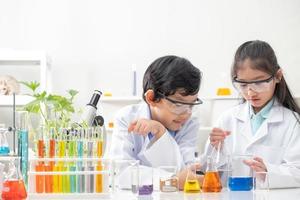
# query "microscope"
(90, 116)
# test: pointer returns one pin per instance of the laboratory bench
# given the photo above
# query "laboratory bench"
(273, 194)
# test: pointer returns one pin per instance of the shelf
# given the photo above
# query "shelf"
(21, 100)
(116, 99)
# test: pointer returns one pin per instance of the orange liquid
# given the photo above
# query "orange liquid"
(52, 148)
(14, 190)
(39, 179)
(211, 182)
(48, 179)
(41, 149)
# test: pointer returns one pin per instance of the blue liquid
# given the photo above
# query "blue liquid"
(23, 153)
(4, 150)
(240, 183)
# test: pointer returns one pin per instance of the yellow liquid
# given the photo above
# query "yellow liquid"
(191, 186)
(99, 180)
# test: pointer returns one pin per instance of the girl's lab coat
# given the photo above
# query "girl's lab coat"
(168, 150)
(277, 142)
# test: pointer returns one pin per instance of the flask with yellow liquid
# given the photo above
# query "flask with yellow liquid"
(191, 184)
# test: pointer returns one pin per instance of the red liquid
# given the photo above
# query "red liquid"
(14, 190)
(211, 182)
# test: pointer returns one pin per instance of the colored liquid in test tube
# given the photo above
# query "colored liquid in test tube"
(89, 178)
(72, 166)
(80, 179)
(40, 166)
(99, 178)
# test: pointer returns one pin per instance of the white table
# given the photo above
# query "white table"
(274, 194)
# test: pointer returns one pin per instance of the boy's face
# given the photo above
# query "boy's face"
(172, 114)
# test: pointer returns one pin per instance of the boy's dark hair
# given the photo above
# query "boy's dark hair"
(263, 57)
(168, 74)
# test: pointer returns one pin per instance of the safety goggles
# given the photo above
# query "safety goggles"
(257, 86)
(179, 107)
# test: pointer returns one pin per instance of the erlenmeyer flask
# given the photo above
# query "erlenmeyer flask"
(191, 184)
(13, 186)
(211, 181)
(4, 148)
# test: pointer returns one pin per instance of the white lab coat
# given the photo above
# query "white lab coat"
(166, 151)
(277, 141)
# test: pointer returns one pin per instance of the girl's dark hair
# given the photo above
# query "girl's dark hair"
(264, 59)
(168, 74)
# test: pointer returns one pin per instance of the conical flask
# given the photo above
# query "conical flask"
(4, 148)
(211, 181)
(13, 186)
(191, 184)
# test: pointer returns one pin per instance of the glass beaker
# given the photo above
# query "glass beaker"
(211, 181)
(4, 148)
(241, 178)
(13, 186)
(145, 181)
(191, 184)
(168, 180)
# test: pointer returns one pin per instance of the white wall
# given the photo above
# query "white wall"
(93, 43)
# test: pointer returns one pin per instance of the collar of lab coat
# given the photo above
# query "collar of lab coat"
(276, 115)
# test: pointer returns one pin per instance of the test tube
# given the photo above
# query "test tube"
(80, 177)
(89, 178)
(22, 118)
(72, 167)
(99, 178)
(40, 167)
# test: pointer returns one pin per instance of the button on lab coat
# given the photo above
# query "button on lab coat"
(168, 150)
(277, 141)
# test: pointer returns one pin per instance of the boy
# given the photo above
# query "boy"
(161, 132)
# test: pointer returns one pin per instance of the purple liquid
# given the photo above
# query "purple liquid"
(146, 190)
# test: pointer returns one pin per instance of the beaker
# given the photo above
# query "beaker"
(145, 181)
(4, 148)
(241, 178)
(13, 186)
(168, 180)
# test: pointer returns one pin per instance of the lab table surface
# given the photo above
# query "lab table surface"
(273, 194)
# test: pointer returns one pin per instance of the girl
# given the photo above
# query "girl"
(266, 124)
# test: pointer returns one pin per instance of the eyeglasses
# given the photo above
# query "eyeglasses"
(180, 107)
(257, 86)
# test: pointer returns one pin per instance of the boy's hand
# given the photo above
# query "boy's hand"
(218, 135)
(145, 126)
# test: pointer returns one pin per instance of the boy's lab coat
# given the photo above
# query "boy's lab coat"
(168, 150)
(277, 142)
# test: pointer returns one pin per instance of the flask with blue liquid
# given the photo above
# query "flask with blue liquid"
(241, 178)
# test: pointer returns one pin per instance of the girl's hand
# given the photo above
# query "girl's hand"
(218, 135)
(257, 164)
(145, 126)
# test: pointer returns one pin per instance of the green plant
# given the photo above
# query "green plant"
(55, 110)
